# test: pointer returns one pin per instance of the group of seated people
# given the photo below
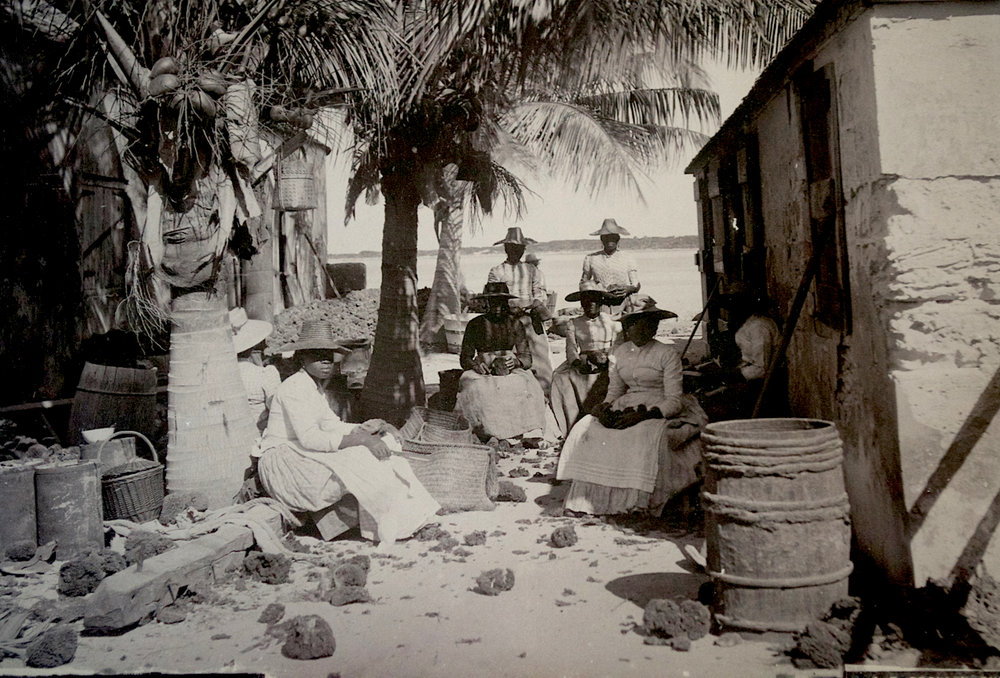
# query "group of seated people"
(630, 433)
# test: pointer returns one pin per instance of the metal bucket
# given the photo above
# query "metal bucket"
(68, 507)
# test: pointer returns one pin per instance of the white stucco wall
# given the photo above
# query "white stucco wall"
(936, 67)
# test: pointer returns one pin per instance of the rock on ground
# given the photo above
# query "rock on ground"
(309, 637)
(176, 503)
(493, 582)
(563, 536)
(270, 568)
(510, 492)
(80, 577)
(55, 647)
(20, 551)
(272, 614)
(662, 618)
(345, 595)
(349, 574)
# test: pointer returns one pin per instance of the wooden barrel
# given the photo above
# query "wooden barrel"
(68, 507)
(211, 433)
(123, 397)
(454, 330)
(777, 522)
(17, 497)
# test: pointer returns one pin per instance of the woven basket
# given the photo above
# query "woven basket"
(456, 475)
(296, 186)
(436, 426)
(133, 490)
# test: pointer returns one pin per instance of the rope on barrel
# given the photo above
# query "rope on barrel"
(765, 513)
(784, 582)
(786, 470)
(773, 447)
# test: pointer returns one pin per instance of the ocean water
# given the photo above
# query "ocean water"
(668, 275)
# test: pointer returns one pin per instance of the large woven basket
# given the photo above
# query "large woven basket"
(436, 426)
(133, 490)
(457, 475)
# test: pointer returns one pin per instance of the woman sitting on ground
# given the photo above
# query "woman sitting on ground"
(581, 382)
(497, 393)
(312, 461)
(641, 445)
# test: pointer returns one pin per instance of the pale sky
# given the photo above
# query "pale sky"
(557, 212)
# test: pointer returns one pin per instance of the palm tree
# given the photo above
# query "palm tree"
(466, 69)
(189, 80)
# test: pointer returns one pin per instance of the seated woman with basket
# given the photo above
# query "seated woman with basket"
(344, 474)
(641, 445)
(498, 394)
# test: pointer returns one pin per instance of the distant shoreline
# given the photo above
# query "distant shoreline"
(580, 244)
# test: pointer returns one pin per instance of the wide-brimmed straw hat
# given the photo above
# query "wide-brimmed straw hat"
(515, 236)
(588, 290)
(247, 333)
(495, 290)
(532, 258)
(647, 308)
(316, 335)
(610, 227)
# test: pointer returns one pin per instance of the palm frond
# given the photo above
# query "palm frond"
(665, 106)
(585, 151)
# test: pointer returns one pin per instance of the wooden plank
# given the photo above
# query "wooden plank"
(132, 596)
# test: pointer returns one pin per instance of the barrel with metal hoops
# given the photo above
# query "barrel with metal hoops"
(777, 521)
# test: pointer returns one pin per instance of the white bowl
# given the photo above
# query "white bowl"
(96, 435)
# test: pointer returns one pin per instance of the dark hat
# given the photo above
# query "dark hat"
(648, 308)
(588, 290)
(494, 290)
(515, 236)
(610, 227)
(315, 335)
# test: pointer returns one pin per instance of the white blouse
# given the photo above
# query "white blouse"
(301, 417)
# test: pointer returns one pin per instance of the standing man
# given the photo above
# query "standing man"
(528, 285)
(612, 270)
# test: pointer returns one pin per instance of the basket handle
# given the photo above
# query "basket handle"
(156, 456)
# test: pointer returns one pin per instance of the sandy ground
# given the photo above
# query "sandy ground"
(572, 612)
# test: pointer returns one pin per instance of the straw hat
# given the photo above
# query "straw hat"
(610, 227)
(496, 290)
(648, 308)
(315, 335)
(532, 258)
(515, 236)
(588, 290)
(247, 333)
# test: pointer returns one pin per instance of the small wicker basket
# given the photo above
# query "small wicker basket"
(296, 186)
(133, 490)
(436, 426)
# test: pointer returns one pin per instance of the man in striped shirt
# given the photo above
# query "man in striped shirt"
(526, 282)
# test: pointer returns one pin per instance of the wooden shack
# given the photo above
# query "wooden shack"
(870, 146)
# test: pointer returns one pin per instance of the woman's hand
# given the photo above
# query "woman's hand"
(375, 445)
(480, 368)
(372, 426)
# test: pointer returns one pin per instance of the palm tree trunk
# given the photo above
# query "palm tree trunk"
(395, 380)
(446, 290)
(209, 426)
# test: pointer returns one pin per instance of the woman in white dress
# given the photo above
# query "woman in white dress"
(313, 462)
(641, 445)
